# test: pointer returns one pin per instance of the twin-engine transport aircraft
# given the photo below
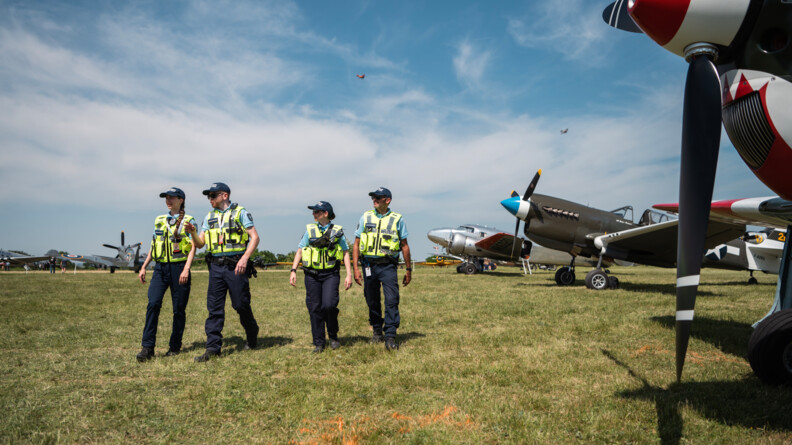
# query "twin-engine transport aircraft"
(471, 243)
(588, 232)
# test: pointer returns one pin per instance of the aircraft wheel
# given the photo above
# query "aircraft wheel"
(770, 349)
(613, 283)
(112, 269)
(459, 269)
(137, 269)
(469, 268)
(565, 276)
(753, 280)
(597, 279)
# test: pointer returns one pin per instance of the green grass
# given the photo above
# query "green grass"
(493, 358)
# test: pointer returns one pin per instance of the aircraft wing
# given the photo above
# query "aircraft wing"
(769, 211)
(20, 260)
(501, 243)
(96, 259)
(656, 244)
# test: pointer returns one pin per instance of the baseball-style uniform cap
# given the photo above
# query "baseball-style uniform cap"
(173, 191)
(217, 187)
(382, 191)
(324, 206)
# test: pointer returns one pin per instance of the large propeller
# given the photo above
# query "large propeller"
(528, 192)
(701, 130)
(110, 246)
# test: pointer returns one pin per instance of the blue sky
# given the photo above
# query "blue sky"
(103, 105)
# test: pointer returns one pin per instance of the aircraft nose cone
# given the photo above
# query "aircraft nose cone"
(439, 236)
(512, 205)
(659, 19)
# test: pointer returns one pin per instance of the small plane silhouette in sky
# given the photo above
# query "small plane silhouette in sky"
(361, 76)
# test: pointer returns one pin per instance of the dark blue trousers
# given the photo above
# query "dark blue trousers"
(166, 275)
(384, 275)
(222, 279)
(321, 298)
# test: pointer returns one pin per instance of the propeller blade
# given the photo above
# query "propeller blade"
(701, 130)
(514, 194)
(618, 16)
(516, 234)
(111, 247)
(529, 191)
(137, 255)
(122, 238)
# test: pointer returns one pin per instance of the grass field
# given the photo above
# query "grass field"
(493, 358)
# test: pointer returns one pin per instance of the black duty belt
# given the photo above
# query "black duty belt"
(381, 260)
(226, 260)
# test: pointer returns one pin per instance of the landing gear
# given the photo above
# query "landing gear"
(770, 349)
(468, 268)
(565, 276)
(597, 279)
(112, 269)
(752, 280)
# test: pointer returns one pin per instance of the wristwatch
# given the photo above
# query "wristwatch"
(294, 270)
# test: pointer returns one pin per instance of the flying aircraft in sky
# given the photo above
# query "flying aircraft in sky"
(740, 73)
(360, 76)
(564, 131)
(584, 231)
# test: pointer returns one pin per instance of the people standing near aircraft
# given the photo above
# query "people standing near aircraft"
(63, 266)
(230, 239)
(321, 249)
(52, 264)
(380, 236)
(173, 251)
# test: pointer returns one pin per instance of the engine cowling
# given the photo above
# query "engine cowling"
(460, 244)
(758, 119)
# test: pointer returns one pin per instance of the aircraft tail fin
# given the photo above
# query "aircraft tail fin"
(52, 252)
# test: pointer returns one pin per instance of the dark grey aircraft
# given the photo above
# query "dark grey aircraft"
(17, 259)
(584, 231)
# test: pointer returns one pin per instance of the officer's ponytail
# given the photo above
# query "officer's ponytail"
(177, 230)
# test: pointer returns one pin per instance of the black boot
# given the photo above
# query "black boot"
(145, 354)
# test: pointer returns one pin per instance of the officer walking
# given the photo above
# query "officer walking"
(321, 249)
(380, 236)
(230, 239)
(173, 252)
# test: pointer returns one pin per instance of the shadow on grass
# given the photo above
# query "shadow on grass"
(237, 343)
(747, 403)
(665, 288)
(729, 336)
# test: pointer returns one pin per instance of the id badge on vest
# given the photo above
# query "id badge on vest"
(368, 271)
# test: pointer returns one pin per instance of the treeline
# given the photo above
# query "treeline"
(265, 256)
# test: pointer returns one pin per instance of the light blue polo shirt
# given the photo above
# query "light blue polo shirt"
(341, 242)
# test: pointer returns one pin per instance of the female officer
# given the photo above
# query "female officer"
(173, 252)
(321, 250)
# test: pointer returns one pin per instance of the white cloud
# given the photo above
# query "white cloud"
(573, 28)
(470, 63)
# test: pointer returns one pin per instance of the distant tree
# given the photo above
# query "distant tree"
(266, 256)
(287, 258)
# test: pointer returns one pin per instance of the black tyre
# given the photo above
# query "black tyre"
(753, 280)
(565, 276)
(469, 268)
(597, 279)
(112, 269)
(770, 349)
(613, 283)
(459, 269)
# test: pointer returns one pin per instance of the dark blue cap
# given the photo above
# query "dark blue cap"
(382, 191)
(217, 187)
(324, 206)
(173, 191)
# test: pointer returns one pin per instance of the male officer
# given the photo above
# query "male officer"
(380, 236)
(230, 239)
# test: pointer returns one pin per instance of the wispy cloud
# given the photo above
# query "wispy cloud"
(470, 64)
(573, 28)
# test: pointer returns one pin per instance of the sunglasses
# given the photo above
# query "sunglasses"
(213, 195)
(374, 198)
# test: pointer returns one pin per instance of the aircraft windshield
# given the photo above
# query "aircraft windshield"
(653, 217)
(625, 212)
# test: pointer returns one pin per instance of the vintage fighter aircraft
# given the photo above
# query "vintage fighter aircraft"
(16, 259)
(588, 232)
(740, 72)
(128, 256)
(472, 243)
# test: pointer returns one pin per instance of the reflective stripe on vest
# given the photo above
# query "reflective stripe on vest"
(226, 227)
(380, 236)
(164, 247)
(322, 258)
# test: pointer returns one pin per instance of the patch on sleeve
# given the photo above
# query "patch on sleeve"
(250, 216)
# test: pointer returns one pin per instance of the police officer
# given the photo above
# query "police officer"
(230, 239)
(380, 236)
(321, 249)
(173, 251)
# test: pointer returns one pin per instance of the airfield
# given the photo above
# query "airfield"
(496, 357)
